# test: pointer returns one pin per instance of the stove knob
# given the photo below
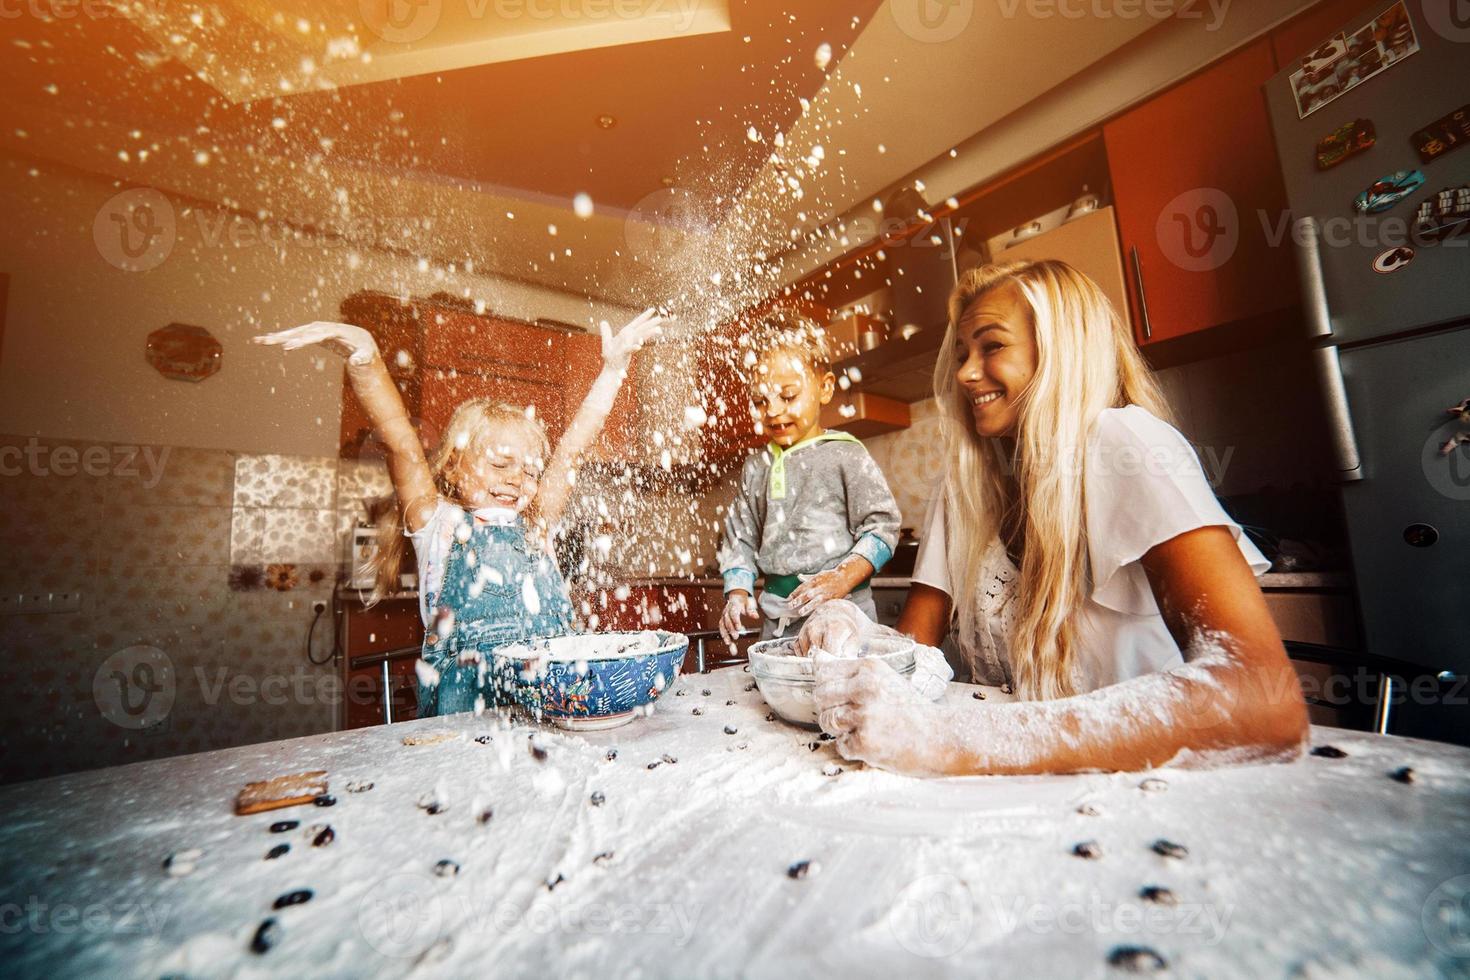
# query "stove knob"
(1420, 535)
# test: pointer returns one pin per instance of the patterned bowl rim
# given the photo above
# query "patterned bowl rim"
(671, 642)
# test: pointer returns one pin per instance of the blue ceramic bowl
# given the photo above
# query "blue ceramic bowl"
(591, 681)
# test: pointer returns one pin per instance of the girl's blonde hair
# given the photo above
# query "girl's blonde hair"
(473, 429)
(1086, 362)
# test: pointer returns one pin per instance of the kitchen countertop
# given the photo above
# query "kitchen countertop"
(1321, 867)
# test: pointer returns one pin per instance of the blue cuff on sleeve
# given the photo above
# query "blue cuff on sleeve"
(874, 549)
(738, 578)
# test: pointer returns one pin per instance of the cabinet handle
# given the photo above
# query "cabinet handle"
(1148, 328)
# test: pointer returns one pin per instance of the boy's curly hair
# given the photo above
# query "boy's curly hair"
(792, 331)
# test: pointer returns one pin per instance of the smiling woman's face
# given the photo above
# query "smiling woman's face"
(995, 350)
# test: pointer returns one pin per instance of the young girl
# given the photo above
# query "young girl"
(486, 573)
(1080, 556)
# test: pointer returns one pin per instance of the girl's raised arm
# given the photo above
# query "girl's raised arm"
(617, 353)
(413, 481)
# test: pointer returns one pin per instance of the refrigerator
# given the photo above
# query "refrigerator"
(1391, 333)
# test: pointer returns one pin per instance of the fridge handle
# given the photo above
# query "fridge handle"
(1148, 327)
(1344, 441)
(1317, 313)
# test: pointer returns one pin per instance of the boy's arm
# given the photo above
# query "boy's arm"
(617, 353)
(413, 481)
(873, 518)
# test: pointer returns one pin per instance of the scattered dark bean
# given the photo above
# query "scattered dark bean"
(325, 837)
(266, 936)
(277, 851)
(1006, 689)
(538, 751)
(655, 763)
(1157, 894)
(598, 799)
(181, 863)
(612, 753)
(729, 702)
(669, 759)
(1090, 810)
(770, 716)
(1089, 849)
(551, 883)
(1169, 849)
(298, 897)
(813, 745)
(1153, 785)
(680, 693)
(1404, 774)
(831, 769)
(705, 692)
(446, 868)
(750, 686)
(281, 826)
(326, 799)
(486, 815)
(803, 869)
(603, 858)
(484, 739)
(826, 737)
(731, 729)
(978, 695)
(1136, 959)
(1328, 752)
(357, 786)
(698, 710)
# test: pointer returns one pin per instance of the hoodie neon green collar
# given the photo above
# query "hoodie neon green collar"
(778, 458)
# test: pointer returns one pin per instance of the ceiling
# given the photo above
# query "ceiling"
(466, 139)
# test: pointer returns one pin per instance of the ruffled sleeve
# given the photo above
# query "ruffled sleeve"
(1143, 485)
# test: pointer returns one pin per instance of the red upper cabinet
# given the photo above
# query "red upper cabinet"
(1198, 194)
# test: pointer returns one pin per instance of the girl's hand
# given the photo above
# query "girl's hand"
(618, 349)
(740, 607)
(354, 343)
(877, 717)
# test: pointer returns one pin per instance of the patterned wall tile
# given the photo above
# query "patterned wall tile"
(285, 481)
(173, 475)
(145, 535)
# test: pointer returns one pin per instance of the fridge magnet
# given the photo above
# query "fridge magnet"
(1347, 140)
(1346, 60)
(1443, 213)
(1388, 191)
(1443, 135)
(1393, 260)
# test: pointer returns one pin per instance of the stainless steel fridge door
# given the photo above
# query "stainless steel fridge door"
(1409, 517)
(1432, 289)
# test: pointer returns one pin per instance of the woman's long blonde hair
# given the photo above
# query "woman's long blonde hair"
(472, 428)
(1086, 362)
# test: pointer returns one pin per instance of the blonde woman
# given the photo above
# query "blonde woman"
(486, 574)
(1080, 557)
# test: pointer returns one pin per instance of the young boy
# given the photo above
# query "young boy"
(813, 514)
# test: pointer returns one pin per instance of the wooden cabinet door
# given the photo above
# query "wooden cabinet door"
(730, 432)
(1197, 186)
(445, 390)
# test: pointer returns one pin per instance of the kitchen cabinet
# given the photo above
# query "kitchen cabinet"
(391, 625)
(1197, 190)
(1089, 244)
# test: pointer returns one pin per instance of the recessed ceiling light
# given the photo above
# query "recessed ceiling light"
(668, 182)
(606, 121)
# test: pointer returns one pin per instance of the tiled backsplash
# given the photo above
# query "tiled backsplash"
(212, 558)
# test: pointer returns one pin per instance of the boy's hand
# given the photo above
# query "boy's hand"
(354, 343)
(738, 607)
(618, 349)
(835, 583)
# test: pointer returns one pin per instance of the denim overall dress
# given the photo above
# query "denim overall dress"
(501, 590)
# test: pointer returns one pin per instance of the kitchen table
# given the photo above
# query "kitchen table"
(681, 854)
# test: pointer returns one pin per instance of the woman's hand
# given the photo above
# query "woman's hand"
(738, 608)
(878, 718)
(835, 626)
(834, 583)
(618, 349)
(354, 343)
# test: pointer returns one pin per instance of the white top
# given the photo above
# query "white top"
(433, 541)
(1143, 486)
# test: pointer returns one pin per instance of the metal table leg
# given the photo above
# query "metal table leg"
(387, 695)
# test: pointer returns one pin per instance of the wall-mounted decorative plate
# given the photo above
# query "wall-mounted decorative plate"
(183, 352)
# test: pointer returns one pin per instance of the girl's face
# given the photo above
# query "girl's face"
(501, 471)
(995, 348)
(788, 396)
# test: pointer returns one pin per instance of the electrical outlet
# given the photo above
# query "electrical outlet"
(31, 603)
